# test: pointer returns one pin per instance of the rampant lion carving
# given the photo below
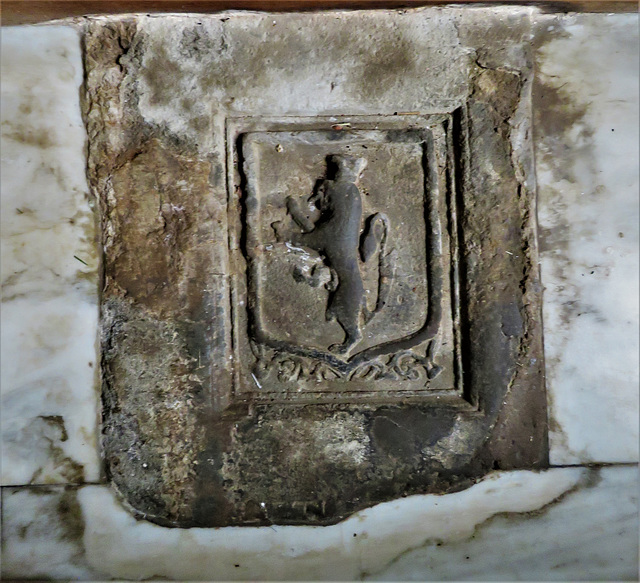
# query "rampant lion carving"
(330, 224)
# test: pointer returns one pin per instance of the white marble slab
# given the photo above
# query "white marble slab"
(569, 523)
(591, 534)
(49, 407)
(587, 136)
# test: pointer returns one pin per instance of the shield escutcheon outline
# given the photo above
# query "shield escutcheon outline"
(421, 360)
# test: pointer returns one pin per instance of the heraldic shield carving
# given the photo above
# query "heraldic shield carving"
(349, 287)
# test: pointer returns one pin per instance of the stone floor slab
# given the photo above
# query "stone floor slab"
(49, 405)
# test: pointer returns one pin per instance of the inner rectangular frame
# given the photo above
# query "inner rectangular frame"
(235, 129)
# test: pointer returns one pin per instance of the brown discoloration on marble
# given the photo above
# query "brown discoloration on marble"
(40, 137)
(43, 534)
(70, 515)
(561, 125)
(52, 433)
(58, 422)
(560, 120)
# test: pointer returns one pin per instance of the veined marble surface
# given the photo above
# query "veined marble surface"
(587, 136)
(566, 523)
(49, 407)
(516, 525)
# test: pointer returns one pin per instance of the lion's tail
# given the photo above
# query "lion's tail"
(386, 262)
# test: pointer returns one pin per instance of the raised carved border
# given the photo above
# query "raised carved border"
(401, 364)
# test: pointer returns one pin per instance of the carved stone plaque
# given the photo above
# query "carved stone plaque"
(337, 303)
(320, 286)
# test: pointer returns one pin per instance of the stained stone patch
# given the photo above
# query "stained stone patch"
(320, 285)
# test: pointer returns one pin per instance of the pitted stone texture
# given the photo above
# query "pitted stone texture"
(169, 103)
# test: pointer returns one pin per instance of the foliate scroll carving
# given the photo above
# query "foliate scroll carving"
(405, 365)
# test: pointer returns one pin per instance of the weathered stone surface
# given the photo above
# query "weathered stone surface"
(228, 155)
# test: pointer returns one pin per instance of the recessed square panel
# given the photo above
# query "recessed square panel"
(348, 263)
